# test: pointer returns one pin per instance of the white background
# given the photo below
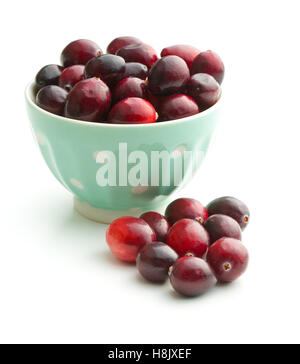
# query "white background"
(58, 281)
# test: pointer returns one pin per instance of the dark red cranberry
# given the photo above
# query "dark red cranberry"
(177, 107)
(48, 75)
(135, 69)
(70, 76)
(186, 208)
(188, 236)
(132, 110)
(107, 67)
(52, 98)
(79, 52)
(159, 224)
(191, 276)
(169, 75)
(209, 62)
(232, 207)
(121, 42)
(155, 100)
(127, 235)
(219, 226)
(204, 89)
(184, 51)
(154, 261)
(141, 53)
(89, 100)
(228, 258)
(129, 87)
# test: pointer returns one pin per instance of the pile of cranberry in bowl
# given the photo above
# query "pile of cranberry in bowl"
(129, 84)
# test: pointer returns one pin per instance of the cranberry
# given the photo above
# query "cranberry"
(132, 110)
(121, 42)
(70, 76)
(228, 258)
(79, 52)
(135, 69)
(107, 67)
(89, 100)
(141, 53)
(159, 224)
(219, 226)
(232, 207)
(186, 208)
(177, 107)
(127, 235)
(186, 52)
(191, 276)
(154, 261)
(52, 98)
(188, 236)
(209, 62)
(204, 89)
(129, 87)
(48, 75)
(155, 100)
(169, 75)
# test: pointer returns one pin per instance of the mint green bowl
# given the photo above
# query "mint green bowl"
(77, 154)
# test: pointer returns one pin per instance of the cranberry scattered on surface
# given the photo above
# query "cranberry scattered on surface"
(132, 110)
(70, 76)
(141, 53)
(204, 89)
(177, 107)
(154, 261)
(191, 276)
(121, 42)
(209, 62)
(219, 226)
(232, 207)
(127, 235)
(89, 100)
(48, 75)
(184, 51)
(130, 87)
(186, 208)
(168, 76)
(188, 236)
(159, 224)
(79, 52)
(52, 98)
(135, 69)
(228, 258)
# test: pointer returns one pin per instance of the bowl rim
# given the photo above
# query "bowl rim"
(29, 93)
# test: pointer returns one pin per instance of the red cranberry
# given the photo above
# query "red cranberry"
(48, 75)
(191, 276)
(204, 89)
(219, 226)
(155, 100)
(159, 224)
(121, 42)
(89, 100)
(127, 235)
(107, 67)
(141, 53)
(129, 87)
(154, 261)
(70, 76)
(232, 207)
(52, 98)
(186, 52)
(132, 110)
(209, 62)
(79, 52)
(135, 69)
(177, 107)
(186, 208)
(169, 75)
(188, 236)
(228, 258)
